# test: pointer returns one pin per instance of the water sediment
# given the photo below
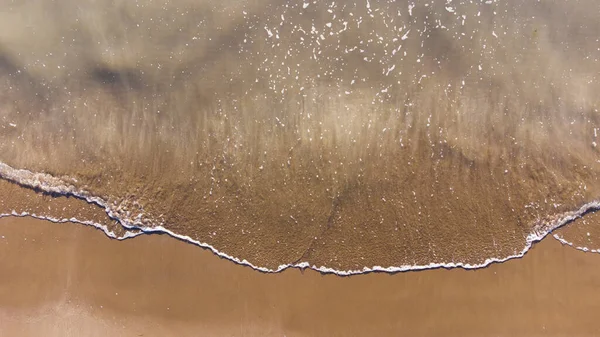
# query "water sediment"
(344, 136)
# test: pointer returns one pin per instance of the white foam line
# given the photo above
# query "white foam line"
(48, 183)
(572, 245)
(103, 228)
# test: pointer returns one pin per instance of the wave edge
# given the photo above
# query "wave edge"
(51, 184)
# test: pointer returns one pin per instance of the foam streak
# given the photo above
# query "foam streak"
(50, 184)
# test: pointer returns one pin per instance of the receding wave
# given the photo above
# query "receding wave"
(135, 227)
(583, 234)
(336, 135)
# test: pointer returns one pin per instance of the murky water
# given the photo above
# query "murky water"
(336, 134)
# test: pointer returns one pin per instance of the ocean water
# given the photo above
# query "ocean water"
(343, 136)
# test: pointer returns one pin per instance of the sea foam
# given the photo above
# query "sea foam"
(140, 225)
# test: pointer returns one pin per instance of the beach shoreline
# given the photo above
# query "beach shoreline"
(153, 285)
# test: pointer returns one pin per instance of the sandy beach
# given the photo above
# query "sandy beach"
(71, 280)
(345, 136)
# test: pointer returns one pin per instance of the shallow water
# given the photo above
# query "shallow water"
(336, 135)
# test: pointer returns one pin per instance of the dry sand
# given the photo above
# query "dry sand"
(71, 280)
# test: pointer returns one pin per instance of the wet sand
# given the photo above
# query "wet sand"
(71, 280)
(583, 234)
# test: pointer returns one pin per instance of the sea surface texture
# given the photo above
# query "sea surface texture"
(346, 136)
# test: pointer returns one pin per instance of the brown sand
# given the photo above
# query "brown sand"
(70, 280)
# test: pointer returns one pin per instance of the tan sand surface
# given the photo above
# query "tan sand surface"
(71, 280)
